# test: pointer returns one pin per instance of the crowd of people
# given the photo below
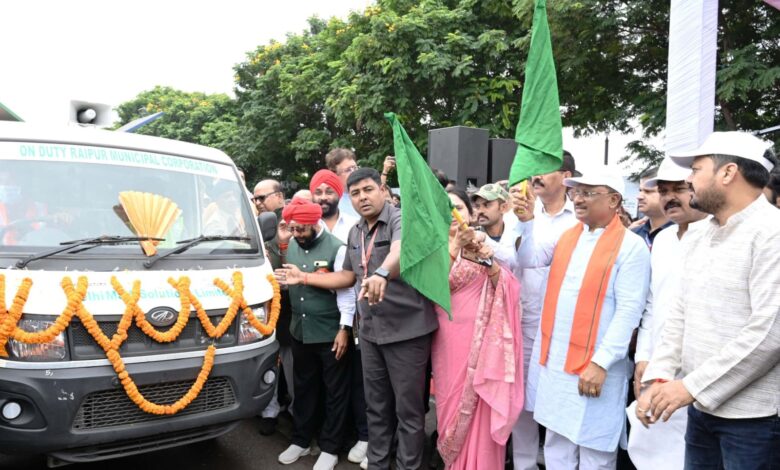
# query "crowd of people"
(572, 326)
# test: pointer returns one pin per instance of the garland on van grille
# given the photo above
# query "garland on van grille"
(76, 294)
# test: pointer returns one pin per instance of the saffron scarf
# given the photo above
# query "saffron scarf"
(587, 313)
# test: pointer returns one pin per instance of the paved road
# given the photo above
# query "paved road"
(242, 449)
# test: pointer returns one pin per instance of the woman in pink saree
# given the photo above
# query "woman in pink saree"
(477, 357)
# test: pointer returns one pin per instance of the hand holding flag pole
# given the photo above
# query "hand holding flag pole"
(456, 215)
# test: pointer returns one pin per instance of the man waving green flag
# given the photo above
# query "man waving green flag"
(425, 218)
(538, 135)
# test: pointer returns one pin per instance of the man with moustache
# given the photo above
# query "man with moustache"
(723, 336)
(327, 190)
(551, 218)
(395, 327)
(268, 196)
(649, 204)
(595, 294)
(669, 249)
(490, 203)
(320, 324)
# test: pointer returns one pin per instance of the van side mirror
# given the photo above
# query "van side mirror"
(267, 222)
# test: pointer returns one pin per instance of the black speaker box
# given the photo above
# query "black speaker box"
(501, 154)
(460, 152)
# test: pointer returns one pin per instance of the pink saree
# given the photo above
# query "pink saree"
(478, 368)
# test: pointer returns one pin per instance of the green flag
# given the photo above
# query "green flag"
(538, 135)
(425, 219)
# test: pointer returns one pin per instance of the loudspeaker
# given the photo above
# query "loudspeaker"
(86, 113)
(501, 154)
(460, 152)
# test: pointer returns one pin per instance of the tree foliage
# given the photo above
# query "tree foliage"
(191, 117)
(439, 63)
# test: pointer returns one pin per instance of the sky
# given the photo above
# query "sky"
(108, 52)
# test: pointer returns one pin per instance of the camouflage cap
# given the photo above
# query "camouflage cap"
(491, 192)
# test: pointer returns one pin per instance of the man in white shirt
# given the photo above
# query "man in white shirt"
(669, 249)
(490, 204)
(327, 190)
(552, 217)
(723, 335)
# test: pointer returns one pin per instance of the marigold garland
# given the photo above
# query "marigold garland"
(75, 306)
(9, 319)
(273, 316)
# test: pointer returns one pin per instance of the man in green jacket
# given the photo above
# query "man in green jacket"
(320, 326)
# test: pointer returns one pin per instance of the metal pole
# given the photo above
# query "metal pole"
(606, 149)
(768, 130)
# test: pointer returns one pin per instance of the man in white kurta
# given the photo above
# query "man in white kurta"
(669, 249)
(584, 414)
(553, 215)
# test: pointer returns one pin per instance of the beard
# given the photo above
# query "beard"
(307, 240)
(708, 200)
(329, 208)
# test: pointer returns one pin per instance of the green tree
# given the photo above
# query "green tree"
(438, 63)
(191, 117)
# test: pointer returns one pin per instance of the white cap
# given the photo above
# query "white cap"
(733, 143)
(668, 171)
(601, 177)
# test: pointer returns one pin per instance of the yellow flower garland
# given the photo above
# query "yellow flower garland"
(75, 306)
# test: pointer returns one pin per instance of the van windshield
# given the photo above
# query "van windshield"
(50, 194)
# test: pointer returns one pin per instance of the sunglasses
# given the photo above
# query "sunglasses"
(262, 197)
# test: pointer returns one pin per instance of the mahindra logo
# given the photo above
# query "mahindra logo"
(161, 317)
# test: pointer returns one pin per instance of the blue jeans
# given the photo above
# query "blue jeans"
(713, 443)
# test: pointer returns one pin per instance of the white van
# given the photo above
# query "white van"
(62, 219)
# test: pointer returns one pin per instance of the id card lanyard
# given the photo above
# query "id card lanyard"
(364, 257)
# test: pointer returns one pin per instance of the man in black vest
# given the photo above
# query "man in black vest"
(320, 327)
(396, 323)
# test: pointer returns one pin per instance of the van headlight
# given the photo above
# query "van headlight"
(56, 350)
(246, 332)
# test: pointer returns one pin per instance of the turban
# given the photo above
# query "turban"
(329, 178)
(302, 211)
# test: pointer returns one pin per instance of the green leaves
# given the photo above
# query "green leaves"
(442, 63)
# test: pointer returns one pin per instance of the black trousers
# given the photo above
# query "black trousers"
(316, 370)
(394, 379)
(358, 397)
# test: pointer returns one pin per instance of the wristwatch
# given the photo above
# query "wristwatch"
(382, 272)
(346, 328)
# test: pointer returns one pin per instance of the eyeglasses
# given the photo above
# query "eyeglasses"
(299, 228)
(587, 195)
(262, 197)
(348, 170)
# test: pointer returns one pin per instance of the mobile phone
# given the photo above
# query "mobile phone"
(472, 256)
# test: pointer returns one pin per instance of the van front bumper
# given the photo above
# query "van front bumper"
(81, 414)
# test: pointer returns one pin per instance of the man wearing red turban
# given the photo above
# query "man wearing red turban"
(327, 189)
(302, 212)
(320, 326)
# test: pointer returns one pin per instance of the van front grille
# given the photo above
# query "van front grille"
(109, 408)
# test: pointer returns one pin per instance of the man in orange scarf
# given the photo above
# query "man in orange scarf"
(596, 291)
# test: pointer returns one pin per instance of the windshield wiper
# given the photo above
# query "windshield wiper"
(87, 243)
(187, 244)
